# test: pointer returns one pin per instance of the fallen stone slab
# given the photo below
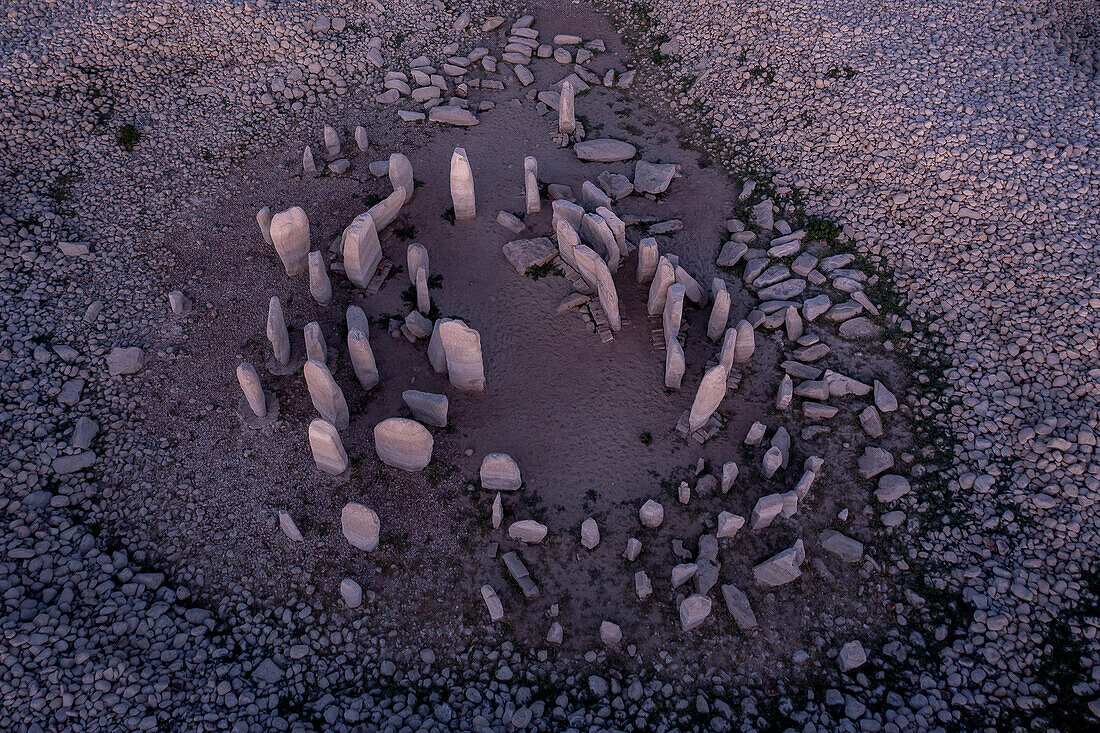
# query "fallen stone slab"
(452, 116)
(125, 360)
(427, 407)
(492, 603)
(781, 568)
(653, 178)
(528, 531)
(739, 607)
(841, 545)
(526, 253)
(604, 150)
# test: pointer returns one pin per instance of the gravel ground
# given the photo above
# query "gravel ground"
(953, 144)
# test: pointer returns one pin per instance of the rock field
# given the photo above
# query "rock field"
(912, 203)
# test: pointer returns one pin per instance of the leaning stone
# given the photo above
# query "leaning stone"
(437, 357)
(766, 510)
(497, 511)
(290, 236)
(125, 360)
(772, 462)
(738, 604)
(288, 527)
(416, 257)
(427, 407)
(386, 210)
(756, 433)
(693, 611)
(841, 545)
(361, 249)
(263, 220)
(362, 359)
(401, 174)
(712, 390)
(719, 313)
(277, 332)
(673, 315)
(874, 461)
(590, 533)
(403, 443)
(328, 398)
(328, 450)
(784, 395)
(511, 222)
(781, 568)
(253, 391)
(651, 514)
(653, 178)
(604, 150)
(683, 572)
(675, 365)
(528, 531)
(462, 347)
(596, 271)
(462, 185)
(500, 473)
(320, 287)
(360, 526)
(351, 592)
(729, 524)
(492, 603)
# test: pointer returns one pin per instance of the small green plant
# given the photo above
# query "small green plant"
(763, 73)
(821, 229)
(128, 137)
(405, 231)
(846, 71)
(449, 214)
(548, 268)
(646, 438)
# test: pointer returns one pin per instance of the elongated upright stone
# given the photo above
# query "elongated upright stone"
(792, 321)
(658, 289)
(328, 449)
(437, 356)
(263, 220)
(596, 231)
(531, 185)
(674, 311)
(568, 241)
(361, 249)
(416, 256)
(462, 346)
(423, 299)
(462, 186)
(567, 120)
(720, 312)
(386, 210)
(276, 331)
(290, 236)
(332, 141)
(728, 348)
(712, 390)
(590, 262)
(357, 319)
(315, 342)
(361, 140)
(309, 166)
(362, 359)
(647, 260)
(674, 364)
(403, 443)
(320, 286)
(253, 391)
(328, 398)
(746, 342)
(401, 174)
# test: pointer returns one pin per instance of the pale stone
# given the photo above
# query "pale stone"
(554, 635)
(569, 211)
(633, 549)
(567, 122)
(766, 510)
(729, 524)
(497, 511)
(315, 342)
(351, 592)
(288, 527)
(500, 473)
(841, 545)
(403, 443)
(423, 298)
(416, 256)
(851, 656)
(357, 319)
(492, 603)
(462, 186)
(642, 585)
(361, 250)
(675, 366)
(781, 568)
(462, 347)
(884, 398)
(746, 342)
(277, 333)
(653, 178)
(651, 514)
(785, 394)
(648, 257)
(693, 611)
(728, 349)
(692, 290)
(772, 462)
(328, 398)
(511, 222)
(253, 392)
(683, 572)
(738, 604)
(729, 475)
(568, 241)
(328, 449)
(756, 433)
(178, 302)
(891, 487)
(528, 531)
(719, 313)
(427, 407)
(320, 287)
(593, 197)
(452, 115)
(523, 254)
(362, 359)
(263, 220)
(663, 278)
(531, 185)
(604, 150)
(673, 314)
(332, 141)
(793, 323)
(590, 533)
(871, 422)
(712, 390)
(401, 175)
(360, 526)
(361, 138)
(386, 210)
(437, 356)
(592, 266)
(309, 166)
(874, 461)
(290, 236)
(610, 633)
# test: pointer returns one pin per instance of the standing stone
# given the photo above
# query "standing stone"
(596, 232)
(651, 514)
(596, 272)
(728, 525)
(320, 287)
(569, 211)
(611, 634)
(693, 611)
(781, 568)
(792, 320)
(785, 393)
(746, 342)
(692, 290)
(351, 592)
(568, 241)
(663, 278)
(361, 249)
(362, 359)
(720, 313)
(290, 235)
(357, 319)
(401, 175)
(527, 530)
(360, 526)
(253, 392)
(315, 342)
(332, 141)
(567, 121)
(361, 138)
(328, 398)
(590, 533)
(531, 185)
(386, 210)
(263, 219)
(674, 364)
(427, 407)
(462, 346)
(499, 472)
(403, 443)
(423, 298)
(492, 603)
(328, 450)
(647, 260)
(276, 331)
(728, 349)
(674, 311)
(289, 528)
(712, 390)
(309, 167)
(462, 186)
(729, 475)
(437, 356)
(416, 256)
(498, 511)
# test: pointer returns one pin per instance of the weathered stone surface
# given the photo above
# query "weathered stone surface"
(874, 461)
(360, 526)
(361, 250)
(851, 656)
(452, 116)
(567, 121)
(320, 286)
(615, 185)
(643, 587)
(871, 421)
(712, 390)
(328, 398)
(385, 211)
(362, 359)
(500, 473)
(401, 174)
(315, 342)
(328, 449)
(884, 398)
(84, 433)
(683, 572)
(648, 256)
(663, 279)
(527, 530)
(745, 345)
(731, 253)
(859, 329)
(766, 510)
(462, 347)
(729, 524)
(403, 443)
(841, 545)
(729, 475)
(651, 514)
(590, 533)
(531, 185)
(653, 178)
(492, 603)
(76, 462)
(781, 568)
(891, 487)
(524, 253)
(592, 266)
(604, 150)
(263, 220)
(290, 235)
(719, 313)
(610, 633)
(675, 365)
(739, 607)
(673, 315)
(633, 549)
(288, 527)
(437, 356)
(427, 407)
(497, 511)
(253, 391)
(462, 185)
(125, 360)
(784, 290)
(694, 611)
(277, 332)
(351, 593)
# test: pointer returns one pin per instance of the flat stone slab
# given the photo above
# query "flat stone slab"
(524, 253)
(360, 526)
(604, 150)
(74, 463)
(125, 360)
(653, 178)
(738, 604)
(841, 545)
(452, 116)
(427, 407)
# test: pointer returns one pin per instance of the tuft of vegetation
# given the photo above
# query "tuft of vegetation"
(449, 214)
(127, 137)
(762, 73)
(846, 71)
(405, 230)
(646, 438)
(821, 229)
(549, 268)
